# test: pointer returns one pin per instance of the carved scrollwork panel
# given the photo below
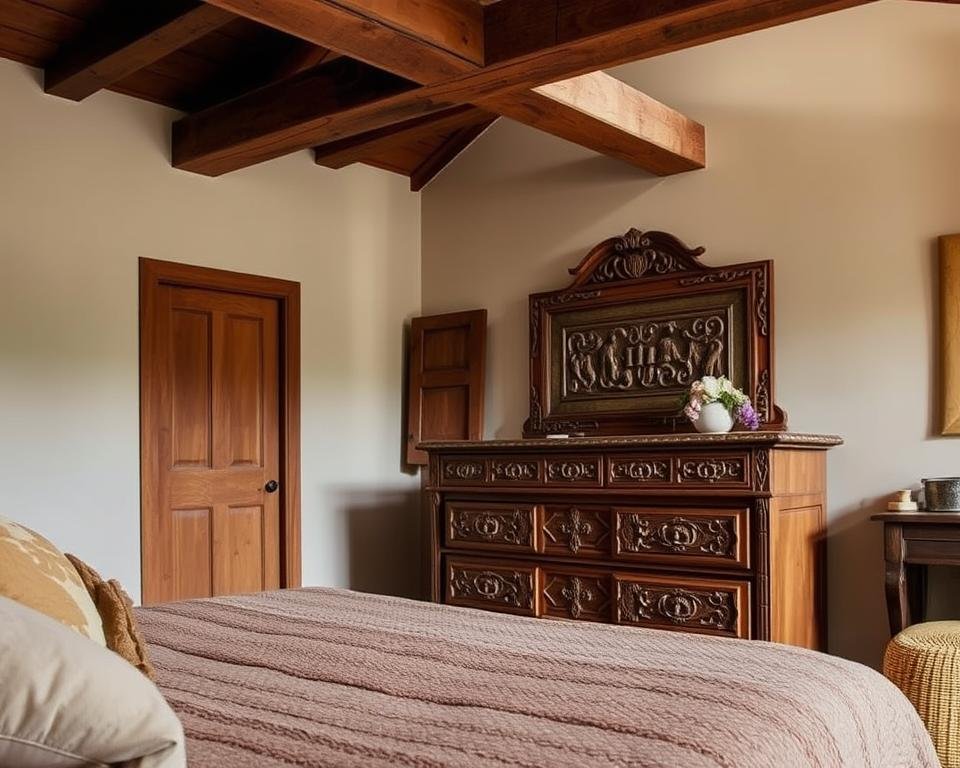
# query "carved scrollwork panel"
(710, 610)
(640, 533)
(479, 586)
(463, 470)
(574, 471)
(713, 470)
(479, 525)
(639, 471)
(514, 471)
(575, 530)
(577, 596)
(649, 356)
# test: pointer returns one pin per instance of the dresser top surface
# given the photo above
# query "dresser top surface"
(686, 440)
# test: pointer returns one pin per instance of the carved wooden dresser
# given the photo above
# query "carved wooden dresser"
(636, 519)
(711, 534)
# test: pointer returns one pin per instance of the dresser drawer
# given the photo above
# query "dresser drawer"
(713, 537)
(709, 606)
(491, 526)
(576, 593)
(659, 470)
(728, 470)
(574, 530)
(493, 586)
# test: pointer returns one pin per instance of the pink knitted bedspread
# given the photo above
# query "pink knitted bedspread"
(325, 677)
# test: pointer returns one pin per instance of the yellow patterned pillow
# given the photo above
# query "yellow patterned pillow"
(35, 573)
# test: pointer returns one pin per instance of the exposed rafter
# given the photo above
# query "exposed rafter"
(417, 41)
(130, 37)
(355, 149)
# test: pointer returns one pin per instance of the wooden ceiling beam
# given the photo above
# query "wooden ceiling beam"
(131, 36)
(355, 149)
(386, 39)
(425, 40)
(446, 154)
(335, 100)
(608, 116)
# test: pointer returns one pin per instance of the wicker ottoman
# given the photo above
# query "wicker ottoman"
(923, 661)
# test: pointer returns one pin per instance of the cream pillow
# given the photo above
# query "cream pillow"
(36, 573)
(66, 702)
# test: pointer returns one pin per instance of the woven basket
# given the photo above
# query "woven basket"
(923, 661)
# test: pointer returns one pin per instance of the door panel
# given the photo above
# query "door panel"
(192, 553)
(238, 550)
(212, 419)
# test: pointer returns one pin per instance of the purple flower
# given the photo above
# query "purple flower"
(747, 416)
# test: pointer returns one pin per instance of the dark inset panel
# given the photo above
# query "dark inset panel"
(445, 413)
(445, 348)
(242, 389)
(192, 415)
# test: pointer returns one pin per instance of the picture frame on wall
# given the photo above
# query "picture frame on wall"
(950, 333)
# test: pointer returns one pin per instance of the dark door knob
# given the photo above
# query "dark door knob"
(271, 486)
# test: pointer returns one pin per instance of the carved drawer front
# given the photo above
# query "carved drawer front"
(578, 471)
(718, 537)
(575, 530)
(709, 606)
(727, 470)
(462, 471)
(507, 527)
(576, 594)
(639, 470)
(515, 471)
(493, 586)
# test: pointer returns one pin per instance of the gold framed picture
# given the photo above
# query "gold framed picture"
(950, 332)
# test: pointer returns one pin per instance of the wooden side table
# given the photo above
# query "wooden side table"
(911, 542)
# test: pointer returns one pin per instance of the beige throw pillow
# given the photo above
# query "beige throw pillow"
(36, 573)
(66, 702)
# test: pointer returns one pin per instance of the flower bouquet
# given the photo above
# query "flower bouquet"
(713, 404)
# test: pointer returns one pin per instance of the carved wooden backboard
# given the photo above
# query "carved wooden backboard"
(614, 352)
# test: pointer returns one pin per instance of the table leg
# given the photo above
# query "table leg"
(898, 603)
(917, 592)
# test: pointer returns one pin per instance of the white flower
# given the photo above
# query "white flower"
(711, 387)
(727, 386)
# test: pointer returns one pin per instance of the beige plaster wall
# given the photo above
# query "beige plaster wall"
(86, 189)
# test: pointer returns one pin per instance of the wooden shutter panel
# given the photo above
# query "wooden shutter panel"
(447, 361)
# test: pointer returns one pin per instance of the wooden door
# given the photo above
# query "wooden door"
(211, 443)
(447, 362)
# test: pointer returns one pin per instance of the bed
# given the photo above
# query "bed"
(327, 677)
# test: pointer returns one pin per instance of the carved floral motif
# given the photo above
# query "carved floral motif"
(639, 470)
(494, 526)
(644, 254)
(712, 470)
(761, 468)
(515, 471)
(677, 535)
(572, 471)
(463, 470)
(709, 609)
(514, 588)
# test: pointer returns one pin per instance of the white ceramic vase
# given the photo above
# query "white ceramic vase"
(714, 419)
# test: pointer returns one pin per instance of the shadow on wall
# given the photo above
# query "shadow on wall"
(383, 540)
(855, 573)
